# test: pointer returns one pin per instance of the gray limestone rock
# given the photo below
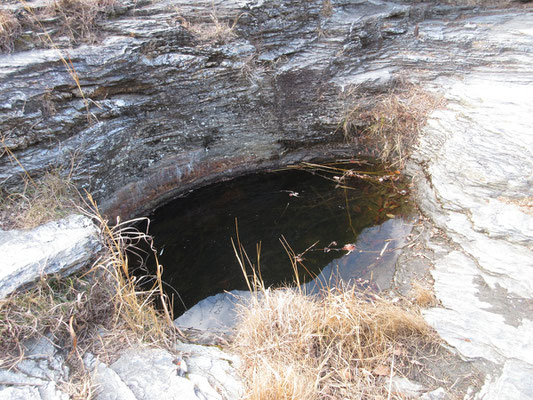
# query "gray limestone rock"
(437, 394)
(515, 382)
(56, 247)
(472, 170)
(150, 374)
(214, 366)
(108, 385)
(145, 374)
(37, 376)
(20, 393)
(216, 313)
(406, 387)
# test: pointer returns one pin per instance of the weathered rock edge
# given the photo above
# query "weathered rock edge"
(141, 373)
(60, 247)
(168, 110)
(152, 374)
(473, 177)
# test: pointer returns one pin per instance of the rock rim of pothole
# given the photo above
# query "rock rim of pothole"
(472, 172)
(57, 247)
(369, 44)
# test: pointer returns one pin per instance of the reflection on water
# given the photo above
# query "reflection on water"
(372, 261)
(194, 233)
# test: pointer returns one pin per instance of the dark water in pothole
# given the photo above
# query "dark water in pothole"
(321, 211)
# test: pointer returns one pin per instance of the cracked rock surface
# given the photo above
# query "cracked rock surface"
(57, 247)
(38, 376)
(473, 170)
(151, 374)
(138, 374)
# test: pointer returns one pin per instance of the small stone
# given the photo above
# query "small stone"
(181, 366)
(437, 394)
(406, 387)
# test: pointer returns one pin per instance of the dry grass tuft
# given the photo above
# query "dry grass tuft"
(50, 308)
(53, 196)
(327, 9)
(213, 32)
(391, 123)
(422, 295)
(78, 18)
(343, 345)
(9, 30)
(80, 386)
(135, 308)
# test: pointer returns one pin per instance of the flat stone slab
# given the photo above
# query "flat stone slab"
(216, 313)
(473, 173)
(56, 247)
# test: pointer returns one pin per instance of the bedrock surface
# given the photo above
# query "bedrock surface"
(473, 173)
(169, 106)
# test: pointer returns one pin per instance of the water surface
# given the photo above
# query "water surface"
(320, 212)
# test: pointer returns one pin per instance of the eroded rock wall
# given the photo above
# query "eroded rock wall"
(179, 93)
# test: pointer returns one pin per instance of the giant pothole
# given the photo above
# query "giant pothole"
(337, 223)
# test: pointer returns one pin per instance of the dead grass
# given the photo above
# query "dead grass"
(75, 19)
(50, 308)
(422, 295)
(78, 18)
(135, 308)
(80, 386)
(215, 31)
(390, 124)
(51, 197)
(339, 344)
(73, 308)
(10, 28)
(343, 345)
(327, 9)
